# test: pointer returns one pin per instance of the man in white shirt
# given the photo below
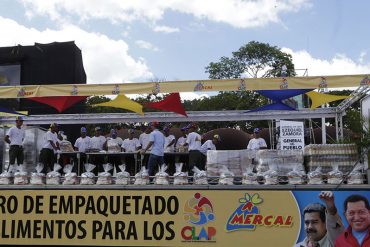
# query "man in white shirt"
(82, 144)
(144, 141)
(193, 141)
(208, 145)
(130, 145)
(169, 147)
(182, 140)
(257, 142)
(113, 145)
(15, 138)
(97, 143)
(49, 148)
(156, 141)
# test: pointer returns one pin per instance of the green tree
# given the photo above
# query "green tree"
(253, 60)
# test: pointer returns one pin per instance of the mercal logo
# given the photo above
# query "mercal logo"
(247, 216)
(23, 93)
(200, 87)
(198, 213)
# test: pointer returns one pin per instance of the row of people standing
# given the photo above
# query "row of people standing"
(189, 140)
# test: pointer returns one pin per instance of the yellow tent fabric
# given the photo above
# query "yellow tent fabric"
(319, 99)
(241, 84)
(121, 101)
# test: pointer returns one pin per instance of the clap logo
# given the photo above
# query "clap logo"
(248, 216)
(198, 212)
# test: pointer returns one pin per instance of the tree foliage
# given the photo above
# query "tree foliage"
(252, 60)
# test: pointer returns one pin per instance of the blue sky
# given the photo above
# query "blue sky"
(138, 40)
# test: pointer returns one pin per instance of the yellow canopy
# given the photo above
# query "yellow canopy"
(121, 101)
(319, 99)
(242, 84)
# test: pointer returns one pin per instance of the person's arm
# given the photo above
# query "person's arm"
(171, 143)
(6, 139)
(76, 145)
(334, 225)
(147, 147)
(263, 144)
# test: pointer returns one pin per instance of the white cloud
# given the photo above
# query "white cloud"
(165, 29)
(338, 65)
(362, 56)
(105, 60)
(146, 45)
(237, 13)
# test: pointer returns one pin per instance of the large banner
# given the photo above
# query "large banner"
(156, 217)
(27, 91)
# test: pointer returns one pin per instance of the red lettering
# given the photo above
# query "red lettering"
(279, 220)
(267, 220)
(184, 233)
(211, 232)
(238, 219)
(247, 220)
(257, 219)
(289, 221)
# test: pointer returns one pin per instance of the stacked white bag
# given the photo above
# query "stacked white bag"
(21, 176)
(38, 178)
(123, 177)
(53, 177)
(142, 177)
(161, 177)
(105, 177)
(200, 176)
(88, 177)
(70, 177)
(180, 177)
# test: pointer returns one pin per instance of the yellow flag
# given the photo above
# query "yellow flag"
(121, 101)
(319, 99)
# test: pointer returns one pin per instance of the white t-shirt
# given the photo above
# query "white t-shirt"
(193, 140)
(82, 143)
(168, 140)
(144, 140)
(16, 135)
(208, 145)
(49, 136)
(97, 142)
(255, 144)
(158, 142)
(180, 142)
(131, 145)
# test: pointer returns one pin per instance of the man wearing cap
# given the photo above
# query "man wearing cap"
(208, 145)
(49, 147)
(15, 138)
(97, 143)
(81, 145)
(182, 140)
(113, 145)
(156, 141)
(130, 145)
(194, 142)
(256, 142)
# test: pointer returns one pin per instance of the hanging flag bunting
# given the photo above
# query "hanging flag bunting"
(279, 95)
(171, 103)
(121, 101)
(319, 99)
(60, 103)
(8, 111)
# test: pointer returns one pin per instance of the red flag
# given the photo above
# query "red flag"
(171, 103)
(60, 103)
